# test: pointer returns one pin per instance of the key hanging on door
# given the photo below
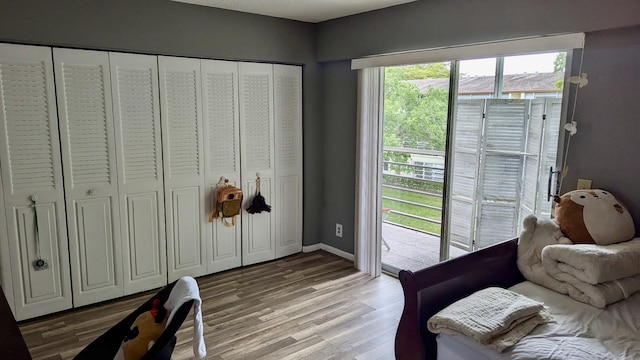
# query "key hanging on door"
(39, 263)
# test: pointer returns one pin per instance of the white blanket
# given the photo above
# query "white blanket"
(593, 264)
(537, 239)
(495, 317)
(186, 289)
(601, 295)
(536, 235)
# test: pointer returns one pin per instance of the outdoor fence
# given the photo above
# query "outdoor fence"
(413, 188)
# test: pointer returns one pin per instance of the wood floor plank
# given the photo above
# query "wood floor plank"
(306, 306)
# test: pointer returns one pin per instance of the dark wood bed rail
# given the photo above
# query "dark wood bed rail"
(430, 290)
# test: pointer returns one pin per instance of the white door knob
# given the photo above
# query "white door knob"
(91, 192)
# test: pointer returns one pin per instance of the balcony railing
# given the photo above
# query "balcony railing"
(413, 189)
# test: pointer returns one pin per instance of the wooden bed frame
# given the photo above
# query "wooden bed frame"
(430, 290)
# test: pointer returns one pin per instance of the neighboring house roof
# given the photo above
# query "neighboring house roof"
(534, 82)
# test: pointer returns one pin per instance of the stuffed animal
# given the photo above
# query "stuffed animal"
(593, 216)
(144, 332)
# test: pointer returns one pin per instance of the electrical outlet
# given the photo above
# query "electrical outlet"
(339, 230)
(584, 184)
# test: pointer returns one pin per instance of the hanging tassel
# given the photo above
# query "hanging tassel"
(258, 204)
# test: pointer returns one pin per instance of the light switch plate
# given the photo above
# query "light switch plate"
(584, 184)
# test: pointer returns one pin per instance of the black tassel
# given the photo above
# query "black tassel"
(258, 205)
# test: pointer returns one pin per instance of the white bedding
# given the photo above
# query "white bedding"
(580, 332)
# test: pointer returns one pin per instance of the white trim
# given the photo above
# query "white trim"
(311, 248)
(474, 51)
(6, 268)
(368, 173)
(329, 249)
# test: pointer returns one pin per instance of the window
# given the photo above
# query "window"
(507, 166)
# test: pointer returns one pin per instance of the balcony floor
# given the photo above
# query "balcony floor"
(410, 249)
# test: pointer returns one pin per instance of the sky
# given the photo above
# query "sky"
(512, 65)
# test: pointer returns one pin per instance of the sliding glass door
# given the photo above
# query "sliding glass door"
(503, 118)
(504, 138)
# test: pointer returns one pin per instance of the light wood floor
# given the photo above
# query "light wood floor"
(306, 306)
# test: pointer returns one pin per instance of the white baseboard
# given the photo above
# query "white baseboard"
(330, 249)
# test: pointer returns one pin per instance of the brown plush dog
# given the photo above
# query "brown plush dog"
(593, 216)
(144, 332)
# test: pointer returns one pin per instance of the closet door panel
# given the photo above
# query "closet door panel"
(181, 102)
(222, 157)
(258, 241)
(87, 136)
(136, 98)
(257, 149)
(186, 254)
(289, 215)
(288, 150)
(144, 260)
(32, 171)
(97, 259)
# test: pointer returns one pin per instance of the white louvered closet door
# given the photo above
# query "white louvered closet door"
(288, 150)
(257, 149)
(136, 111)
(90, 175)
(222, 157)
(181, 102)
(31, 169)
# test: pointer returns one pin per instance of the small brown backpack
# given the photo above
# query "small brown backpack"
(228, 199)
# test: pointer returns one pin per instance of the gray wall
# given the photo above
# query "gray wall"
(432, 23)
(339, 96)
(606, 147)
(171, 28)
(611, 58)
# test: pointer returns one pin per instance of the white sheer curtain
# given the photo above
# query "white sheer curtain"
(368, 172)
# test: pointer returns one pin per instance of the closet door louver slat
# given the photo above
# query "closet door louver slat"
(31, 169)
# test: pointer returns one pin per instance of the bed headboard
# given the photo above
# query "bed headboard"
(430, 290)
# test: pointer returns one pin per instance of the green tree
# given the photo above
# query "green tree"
(559, 65)
(560, 62)
(411, 118)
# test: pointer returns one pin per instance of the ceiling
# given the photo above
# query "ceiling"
(312, 11)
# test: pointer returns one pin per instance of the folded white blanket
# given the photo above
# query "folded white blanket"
(593, 264)
(536, 235)
(601, 295)
(544, 236)
(495, 317)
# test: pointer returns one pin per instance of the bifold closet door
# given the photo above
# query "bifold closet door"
(222, 157)
(181, 102)
(257, 149)
(32, 182)
(288, 150)
(83, 85)
(134, 83)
